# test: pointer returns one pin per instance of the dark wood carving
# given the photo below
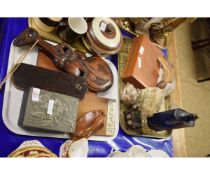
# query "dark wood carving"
(98, 74)
(27, 76)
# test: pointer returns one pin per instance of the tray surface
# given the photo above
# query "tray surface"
(13, 99)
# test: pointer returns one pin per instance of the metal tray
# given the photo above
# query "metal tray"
(145, 131)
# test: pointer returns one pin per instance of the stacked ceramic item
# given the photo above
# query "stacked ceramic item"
(103, 37)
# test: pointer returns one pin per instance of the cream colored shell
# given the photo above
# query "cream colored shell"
(138, 151)
(77, 148)
(157, 153)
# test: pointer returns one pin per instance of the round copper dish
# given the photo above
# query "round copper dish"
(103, 37)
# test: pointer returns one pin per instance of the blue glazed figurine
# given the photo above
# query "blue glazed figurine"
(171, 119)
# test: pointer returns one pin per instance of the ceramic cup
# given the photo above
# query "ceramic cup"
(71, 29)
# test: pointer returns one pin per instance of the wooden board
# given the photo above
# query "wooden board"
(178, 135)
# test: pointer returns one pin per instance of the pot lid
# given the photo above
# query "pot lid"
(106, 32)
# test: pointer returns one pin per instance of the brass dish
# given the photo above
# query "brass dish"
(127, 25)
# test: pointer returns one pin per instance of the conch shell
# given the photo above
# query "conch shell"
(129, 94)
(157, 153)
(77, 148)
(134, 151)
(138, 151)
(118, 154)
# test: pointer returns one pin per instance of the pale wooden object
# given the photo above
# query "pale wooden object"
(178, 135)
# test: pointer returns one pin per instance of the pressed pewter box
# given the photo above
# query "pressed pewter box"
(48, 111)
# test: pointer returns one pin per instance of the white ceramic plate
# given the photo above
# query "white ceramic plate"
(13, 99)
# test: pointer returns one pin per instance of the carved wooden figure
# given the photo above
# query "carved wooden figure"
(98, 74)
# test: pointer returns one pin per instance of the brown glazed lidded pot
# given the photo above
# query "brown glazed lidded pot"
(103, 37)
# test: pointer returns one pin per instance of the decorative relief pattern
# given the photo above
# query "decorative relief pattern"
(63, 116)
